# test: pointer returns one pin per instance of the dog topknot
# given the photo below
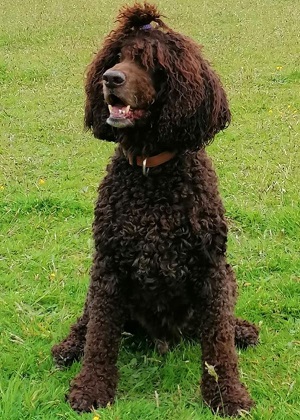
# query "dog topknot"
(138, 15)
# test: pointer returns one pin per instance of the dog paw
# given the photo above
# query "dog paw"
(236, 408)
(85, 396)
(65, 353)
(246, 334)
(86, 400)
(228, 400)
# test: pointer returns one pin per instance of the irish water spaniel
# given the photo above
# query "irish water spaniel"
(159, 229)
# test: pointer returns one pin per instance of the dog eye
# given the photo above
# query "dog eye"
(159, 69)
(157, 65)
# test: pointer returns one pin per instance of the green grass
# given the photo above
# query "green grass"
(49, 172)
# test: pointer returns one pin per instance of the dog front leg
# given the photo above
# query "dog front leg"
(96, 383)
(221, 387)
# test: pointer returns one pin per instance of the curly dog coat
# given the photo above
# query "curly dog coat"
(160, 231)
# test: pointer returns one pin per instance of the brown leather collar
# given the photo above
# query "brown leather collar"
(151, 161)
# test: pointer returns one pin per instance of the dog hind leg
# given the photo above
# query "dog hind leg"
(246, 333)
(71, 348)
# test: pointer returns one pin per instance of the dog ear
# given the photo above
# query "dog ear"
(96, 110)
(195, 107)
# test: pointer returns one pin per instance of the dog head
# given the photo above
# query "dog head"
(151, 80)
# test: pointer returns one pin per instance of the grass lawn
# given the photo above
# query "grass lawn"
(49, 172)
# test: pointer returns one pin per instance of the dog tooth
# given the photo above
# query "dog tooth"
(127, 109)
(110, 108)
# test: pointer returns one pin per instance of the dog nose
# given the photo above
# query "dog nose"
(114, 78)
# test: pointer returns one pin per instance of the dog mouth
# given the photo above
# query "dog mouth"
(122, 114)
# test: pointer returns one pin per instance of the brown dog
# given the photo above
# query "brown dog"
(160, 231)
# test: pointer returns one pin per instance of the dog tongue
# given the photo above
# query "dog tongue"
(118, 111)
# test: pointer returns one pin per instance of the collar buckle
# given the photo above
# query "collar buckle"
(145, 169)
(148, 162)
